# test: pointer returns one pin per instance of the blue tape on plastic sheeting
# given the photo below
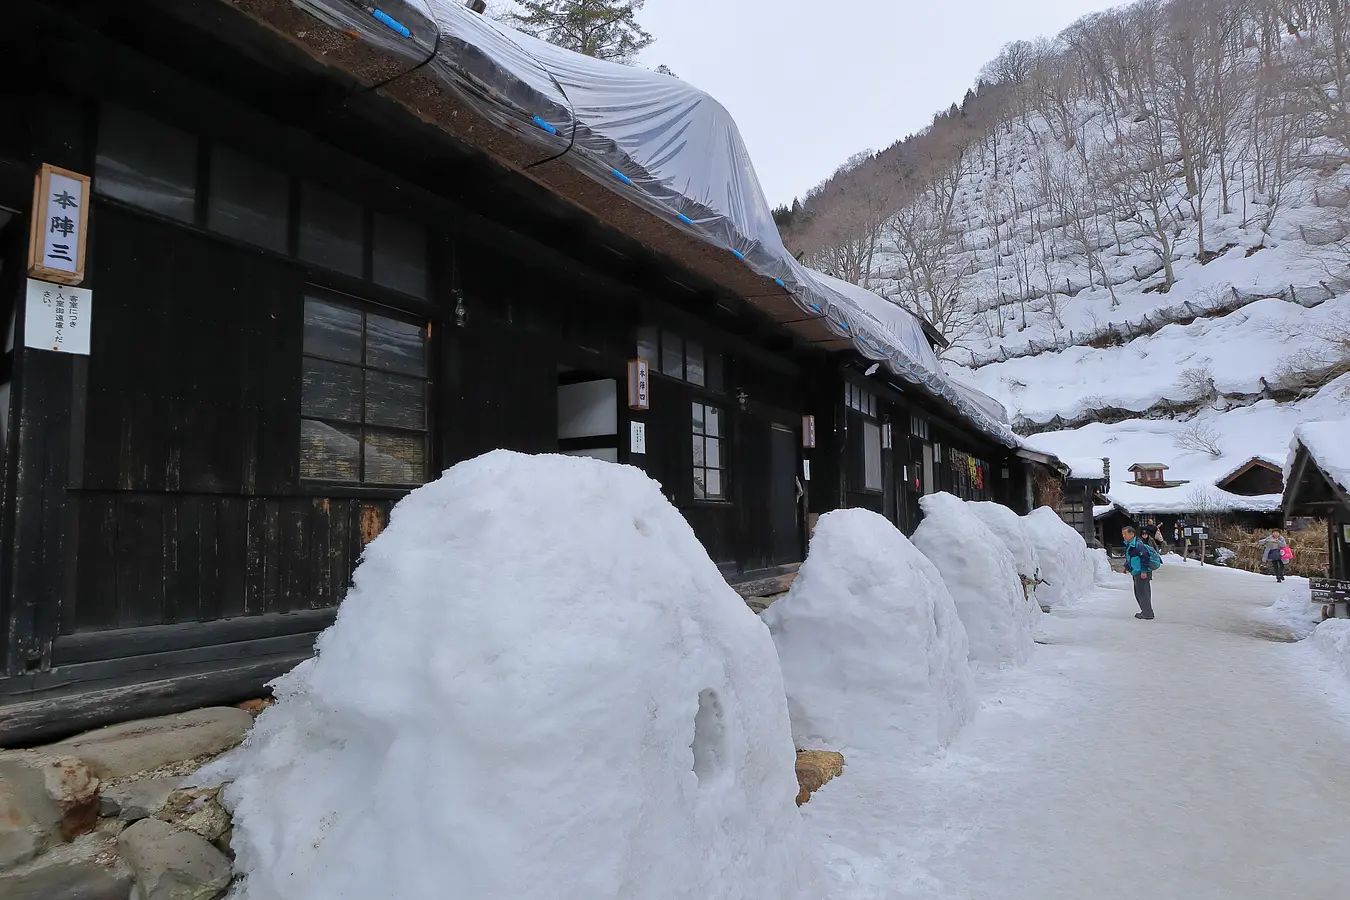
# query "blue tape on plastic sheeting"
(619, 175)
(685, 219)
(738, 254)
(391, 23)
(815, 308)
(779, 282)
(544, 125)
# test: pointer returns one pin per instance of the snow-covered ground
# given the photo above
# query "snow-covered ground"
(1195, 756)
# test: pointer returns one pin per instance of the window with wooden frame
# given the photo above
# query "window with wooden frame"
(710, 461)
(363, 402)
(860, 400)
(152, 166)
(673, 356)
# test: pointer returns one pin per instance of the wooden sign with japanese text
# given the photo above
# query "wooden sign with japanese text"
(60, 225)
(1329, 590)
(639, 385)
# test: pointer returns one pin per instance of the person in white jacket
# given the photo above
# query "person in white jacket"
(1273, 552)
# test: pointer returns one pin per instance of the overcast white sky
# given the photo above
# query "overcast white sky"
(810, 82)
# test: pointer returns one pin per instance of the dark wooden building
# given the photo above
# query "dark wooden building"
(1316, 490)
(309, 296)
(1254, 478)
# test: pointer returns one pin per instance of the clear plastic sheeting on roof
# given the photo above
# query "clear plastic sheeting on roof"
(652, 138)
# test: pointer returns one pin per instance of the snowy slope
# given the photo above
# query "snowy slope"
(1239, 351)
(1265, 317)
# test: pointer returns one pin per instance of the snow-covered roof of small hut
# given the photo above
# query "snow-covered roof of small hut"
(654, 139)
(1086, 468)
(1328, 444)
(1268, 460)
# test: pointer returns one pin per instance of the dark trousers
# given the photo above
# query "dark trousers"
(1143, 593)
(1278, 565)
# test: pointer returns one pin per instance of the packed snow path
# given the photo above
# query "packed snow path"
(1190, 757)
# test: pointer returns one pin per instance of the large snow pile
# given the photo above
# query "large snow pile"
(1102, 573)
(1009, 528)
(1295, 610)
(538, 686)
(1332, 637)
(1066, 565)
(981, 574)
(874, 655)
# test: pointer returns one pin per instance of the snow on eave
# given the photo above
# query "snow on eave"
(1086, 468)
(1168, 501)
(1099, 511)
(1328, 445)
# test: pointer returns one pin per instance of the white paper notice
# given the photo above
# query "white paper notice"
(57, 317)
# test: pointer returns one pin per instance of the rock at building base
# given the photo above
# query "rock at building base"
(814, 769)
(84, 870)
(140, 799)
(131, 747)
(173, 864)
(44, 800)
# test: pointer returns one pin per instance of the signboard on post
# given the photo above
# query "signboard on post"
(57, 317)
(639, 385)
(809, 432)
(60, 225)
(1329, 590)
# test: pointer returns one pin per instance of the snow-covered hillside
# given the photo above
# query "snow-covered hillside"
(1136, 254)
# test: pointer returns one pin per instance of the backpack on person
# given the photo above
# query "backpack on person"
(1149, 560)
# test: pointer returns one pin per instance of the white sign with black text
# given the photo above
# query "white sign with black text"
(57, 317)
(806, 470)
(637, 437)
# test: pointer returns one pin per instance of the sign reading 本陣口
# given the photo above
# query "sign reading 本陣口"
(57, 317)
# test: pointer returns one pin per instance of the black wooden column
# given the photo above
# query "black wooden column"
(46, 429)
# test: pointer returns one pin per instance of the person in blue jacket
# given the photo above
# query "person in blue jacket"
(1141, 561)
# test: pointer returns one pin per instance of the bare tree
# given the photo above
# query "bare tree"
(1142, 185)
(1199, 437)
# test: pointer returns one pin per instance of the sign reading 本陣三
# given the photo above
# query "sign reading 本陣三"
(60, 225)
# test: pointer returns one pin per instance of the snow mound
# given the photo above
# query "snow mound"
(981, 574)
(538, 686)
(1102, 573)
(1332, 637)
(874, 655)
(1295, 610)
(1066, 566)
(1010, 529)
